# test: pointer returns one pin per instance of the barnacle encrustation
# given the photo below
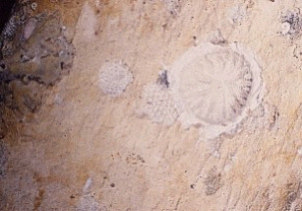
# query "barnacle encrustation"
(114, 77)
(215, 86)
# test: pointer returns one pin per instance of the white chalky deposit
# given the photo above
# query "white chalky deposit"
(215, 86)
(114, 77)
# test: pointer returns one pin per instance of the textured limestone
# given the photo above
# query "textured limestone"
(79, 133)
(39, 49)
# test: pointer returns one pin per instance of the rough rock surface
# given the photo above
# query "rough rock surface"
(84, 150)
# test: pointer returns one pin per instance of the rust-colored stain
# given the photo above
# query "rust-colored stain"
(39, 199)
(70, 9)
(110, 8)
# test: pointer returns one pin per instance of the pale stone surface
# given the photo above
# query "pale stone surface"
(135, 164)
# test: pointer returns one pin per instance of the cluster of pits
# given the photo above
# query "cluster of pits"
(114, 77)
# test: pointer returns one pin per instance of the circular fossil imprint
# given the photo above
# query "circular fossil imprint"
(215, 86)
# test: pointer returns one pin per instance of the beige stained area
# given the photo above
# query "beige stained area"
(85, 150)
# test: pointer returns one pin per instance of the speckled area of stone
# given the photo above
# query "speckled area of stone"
(36, 51)
(158, 104)
(79, 134)
(114, 77)
(39, 50)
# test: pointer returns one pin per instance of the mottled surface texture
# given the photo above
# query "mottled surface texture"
(38, 49)
(71, 146)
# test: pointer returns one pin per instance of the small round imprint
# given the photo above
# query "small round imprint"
(291, 23)
(114, 77)
(215, 86)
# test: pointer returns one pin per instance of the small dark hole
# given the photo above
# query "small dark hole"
(72, 196)
(112, 185)
(3, 66)
(62, 65)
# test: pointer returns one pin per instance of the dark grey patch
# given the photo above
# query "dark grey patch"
(295, 20)
(10, 27)
(37, 48)
(34, 54)
(163, 79)
(212, 182)
(4, 154)
(274, 118)
(6, 76)
(6, 7)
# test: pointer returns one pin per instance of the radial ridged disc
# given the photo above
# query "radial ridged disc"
(215, 85)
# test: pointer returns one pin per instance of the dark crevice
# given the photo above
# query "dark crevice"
(6, 76)
(5, 11)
